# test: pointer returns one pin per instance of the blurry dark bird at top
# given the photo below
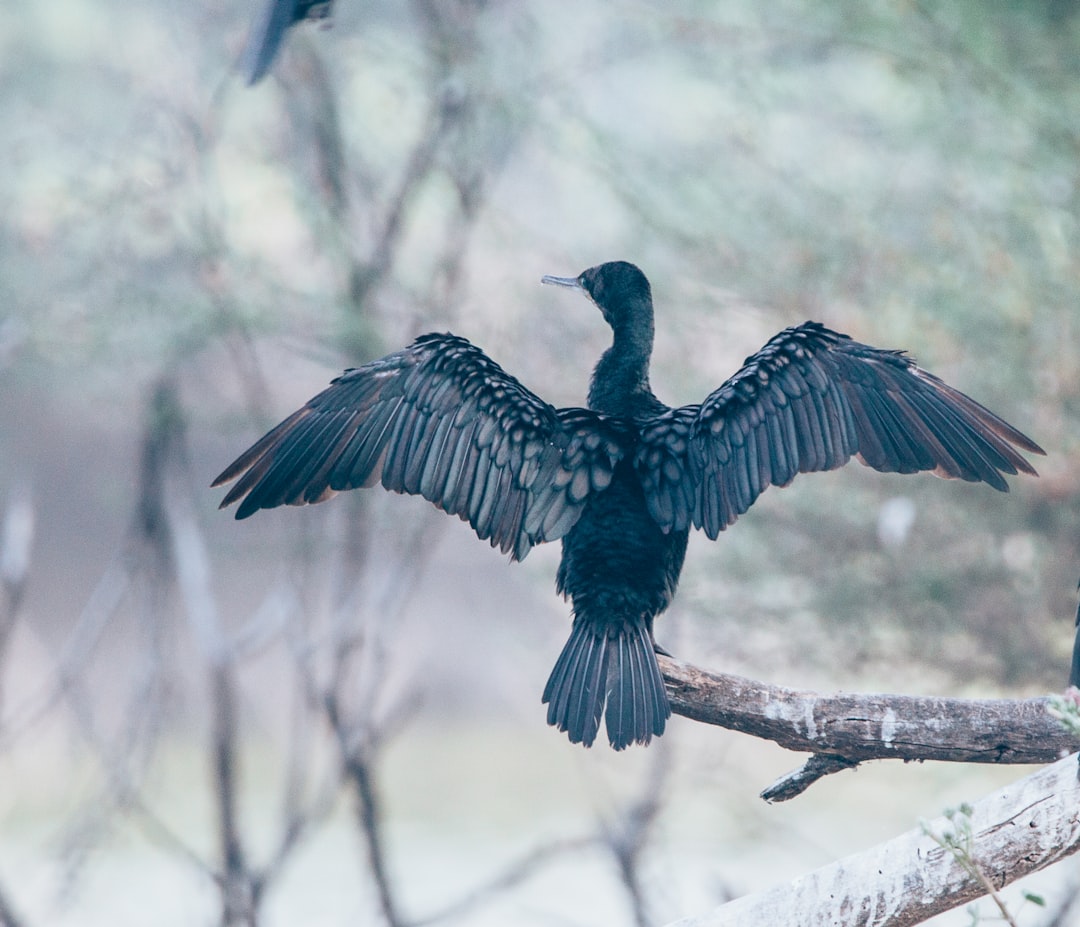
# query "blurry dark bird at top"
(622, 481)
(268, 33)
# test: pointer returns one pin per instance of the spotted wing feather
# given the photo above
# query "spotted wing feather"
(441, 420)
(810, 400)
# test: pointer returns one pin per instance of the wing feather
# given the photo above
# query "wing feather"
(810, 400)
(441, 420)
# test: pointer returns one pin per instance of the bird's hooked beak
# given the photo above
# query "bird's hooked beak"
(573, 282)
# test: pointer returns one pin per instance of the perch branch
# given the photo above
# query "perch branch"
(844, 730)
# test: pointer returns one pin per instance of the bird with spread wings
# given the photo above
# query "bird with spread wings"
(623, 481)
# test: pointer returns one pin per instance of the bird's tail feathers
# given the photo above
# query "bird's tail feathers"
(613, 666)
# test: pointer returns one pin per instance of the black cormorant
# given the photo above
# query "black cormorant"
(623, 481)
(268, 33)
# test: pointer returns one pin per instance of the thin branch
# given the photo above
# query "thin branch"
(314, 102)
(845, 730)
(799, 780)
(357, 763)
(1063, 916)
(421, 162)
(628, 837)
(193, 575)
(75, 652)
(192, 567)
(512, 876)
(8, 917)
(16, 541)
(237, 880)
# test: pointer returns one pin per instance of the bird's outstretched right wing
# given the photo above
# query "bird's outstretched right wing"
(441, 420)
(810, 400)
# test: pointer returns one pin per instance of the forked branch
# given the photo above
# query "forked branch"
(841, 731)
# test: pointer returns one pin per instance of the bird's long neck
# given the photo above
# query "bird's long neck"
(620, 381)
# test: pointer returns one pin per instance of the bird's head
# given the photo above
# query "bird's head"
(618, 288)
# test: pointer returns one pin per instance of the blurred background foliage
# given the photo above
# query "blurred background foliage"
(180, 255)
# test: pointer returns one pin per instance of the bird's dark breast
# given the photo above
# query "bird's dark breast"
(617, 566)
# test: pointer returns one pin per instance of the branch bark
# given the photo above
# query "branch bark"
(844, 730)
(1014, 832)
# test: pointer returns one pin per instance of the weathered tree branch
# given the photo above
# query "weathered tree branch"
(844, 730)
(1014, 832)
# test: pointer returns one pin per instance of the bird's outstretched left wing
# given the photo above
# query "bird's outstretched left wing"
(812, 399)
(441, 420)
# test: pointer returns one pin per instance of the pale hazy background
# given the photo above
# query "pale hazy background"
(184, 260)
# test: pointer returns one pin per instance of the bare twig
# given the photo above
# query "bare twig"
(76, 650)
(314, 103)
(512, 876)
(8, 917)
(192, 564)
(1064, 915)
(358, 767)
(16, 541)
(368, 275)
(237, 881)
(628, 835)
